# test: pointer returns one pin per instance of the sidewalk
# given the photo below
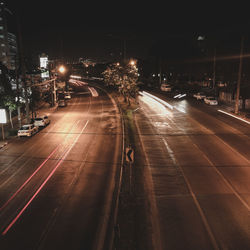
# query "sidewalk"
(10, 133)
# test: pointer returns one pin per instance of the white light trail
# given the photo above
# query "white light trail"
(157, 99)
(241, 119)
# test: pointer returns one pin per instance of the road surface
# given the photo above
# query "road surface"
(57, 187)
(197, 170)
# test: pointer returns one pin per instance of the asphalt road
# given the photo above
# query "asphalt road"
(197, 170)
(56, 188)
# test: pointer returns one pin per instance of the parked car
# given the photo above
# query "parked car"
(166, 87)
(67, 95)
(211, 100)
(27, 130)
(42, 121)
(199, 95)
(62, 103)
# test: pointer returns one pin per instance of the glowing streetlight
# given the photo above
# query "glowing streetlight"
(132, 62)
(62, 69)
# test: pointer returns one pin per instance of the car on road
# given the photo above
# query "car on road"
(62, 103)
(211, 100)
(27, 130)
(42, 121)
(199, 95)
(166, 87)
(67, 95)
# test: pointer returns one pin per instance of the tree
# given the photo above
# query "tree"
(9, 102)
(124, 77)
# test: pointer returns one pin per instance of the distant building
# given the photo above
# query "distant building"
(8, 41)
(44, 66)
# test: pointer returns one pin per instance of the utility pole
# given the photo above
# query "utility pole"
(236, 111)
(214, 67)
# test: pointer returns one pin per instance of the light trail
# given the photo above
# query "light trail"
(43, 184)
(241, 119)
(23, 185)
(157, 99)
(93, 92)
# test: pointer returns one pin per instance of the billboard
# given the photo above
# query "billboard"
(3, 118)
(44, 66)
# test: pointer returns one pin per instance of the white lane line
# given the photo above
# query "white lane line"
(203, 217)
(241, 119)
(156, 238)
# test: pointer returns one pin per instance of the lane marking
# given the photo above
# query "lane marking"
(223, 178)
(157, 240)
(175, 162)
(203, 217)
(43, 184)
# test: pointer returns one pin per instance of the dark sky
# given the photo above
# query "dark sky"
(97, 29)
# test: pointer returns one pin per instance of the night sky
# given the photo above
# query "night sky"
(97, 29)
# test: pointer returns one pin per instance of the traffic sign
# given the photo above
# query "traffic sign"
(129, 155)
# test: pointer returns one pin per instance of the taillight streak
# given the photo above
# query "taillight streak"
(23, 185)
(45, 181)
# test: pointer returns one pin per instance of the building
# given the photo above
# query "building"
(44, 66)
(8, 41)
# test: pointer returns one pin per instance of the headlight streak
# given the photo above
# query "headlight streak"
(162, 102)
(158, 108)
(241, 119)
(157, 99)
(93, 91)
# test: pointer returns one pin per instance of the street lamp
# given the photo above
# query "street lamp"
(132, 62)
(62, 69)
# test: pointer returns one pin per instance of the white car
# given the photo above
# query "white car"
(42, 121)
(67, 96)
(27, 130)
(211, 100)
(199, 96)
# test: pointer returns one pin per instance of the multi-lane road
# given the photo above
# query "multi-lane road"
(197, 170)
(57, 188)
